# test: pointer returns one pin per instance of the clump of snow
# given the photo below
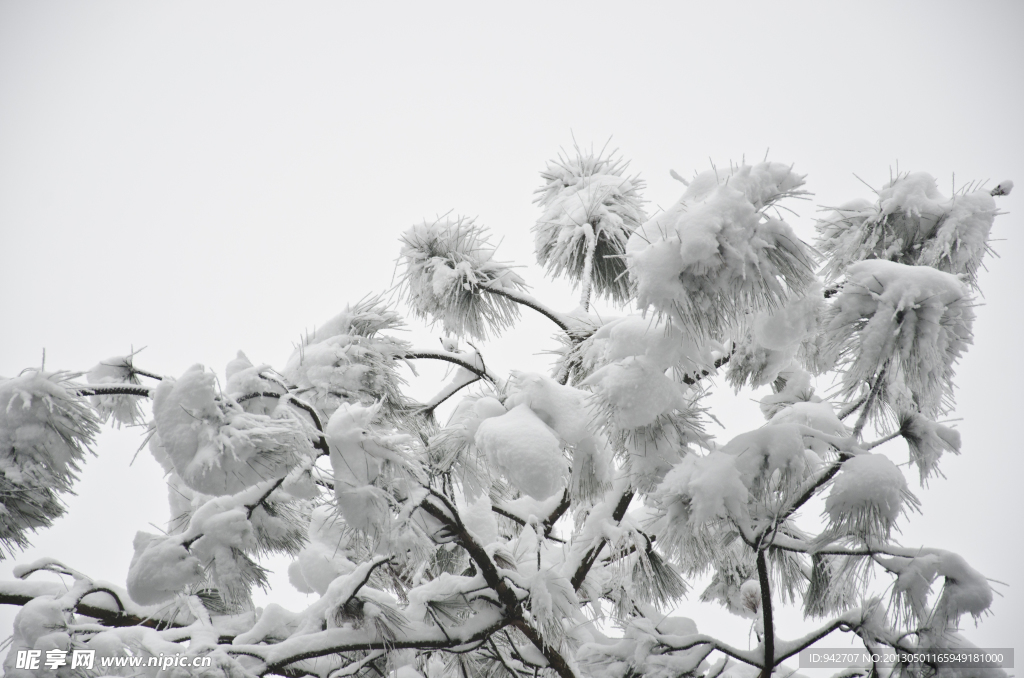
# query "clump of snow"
(590, 210)
(771, 455)
(602, 343)
(326, 556)
(364, 463)
(275, 624)
(38, 621)
(700, 489)
(124, 409)
(215, 446)
(525, 450)
(635, 391)
(867, 497)
(563, 408)
(245, 379)
(479, 519)
(913, 322)
(227, 538)
(911, 223)
(160, 569)
(453, 449)
(715, 255)
(448, 265)
(45, 430)
(775, 338)
(817, 415)
(553, 604)
(926, 441)
(964, 589)
(796, 389)
(348, 360)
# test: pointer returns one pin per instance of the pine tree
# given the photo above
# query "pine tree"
(553, 523)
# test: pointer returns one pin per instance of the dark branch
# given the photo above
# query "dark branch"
(530, 302)
(766, 612)
(591, 556)
(451, 358)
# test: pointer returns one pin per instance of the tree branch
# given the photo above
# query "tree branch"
(114, 389)
(591, 556)
(453, 358)
(766, 615)
(530, 302)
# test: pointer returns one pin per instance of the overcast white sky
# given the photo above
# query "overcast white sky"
(203, 177)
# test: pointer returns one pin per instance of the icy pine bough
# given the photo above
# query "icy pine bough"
(912, 223)
(716, 254)
(900, 328)
(449, 268)
(502, 527)
(590, 209)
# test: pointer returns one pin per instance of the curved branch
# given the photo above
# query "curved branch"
(453, 358)
(530, 302)
(446, 393)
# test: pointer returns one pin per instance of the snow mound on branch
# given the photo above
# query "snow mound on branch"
(911, 223)
(244, 379)
(715, 255)
(215, 446)
(563, 408)
(41, 623)
(365, 465)
(762, 184)
(160, 569)
(763, 452)
(775, 338)
(635, 391)
(700, 489)
(602, 343)
(912, 321)
(590, 210)
(525, 450)
(453, 449)
(816, 415)
(326, 556)
(45, 430)
(662, 343)
(867, 497)
(448, 265)
(478, 517)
